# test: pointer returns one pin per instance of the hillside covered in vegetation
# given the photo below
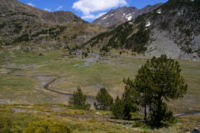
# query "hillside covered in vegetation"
(171, 29)
(31, 28)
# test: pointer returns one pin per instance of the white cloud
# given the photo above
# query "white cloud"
(59, 8)
(90, 16)
(31, 4)
(47, 9)
(89, 6)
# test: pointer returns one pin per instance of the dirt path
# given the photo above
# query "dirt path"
(187, 113)
(90, 99)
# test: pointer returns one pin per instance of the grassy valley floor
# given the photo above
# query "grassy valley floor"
(24, 75)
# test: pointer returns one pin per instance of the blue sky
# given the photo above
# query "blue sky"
(88, 9)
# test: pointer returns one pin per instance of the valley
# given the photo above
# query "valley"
(41, 86)
(131, 70)
(24, 76)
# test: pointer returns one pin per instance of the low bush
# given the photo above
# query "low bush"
(47, 127)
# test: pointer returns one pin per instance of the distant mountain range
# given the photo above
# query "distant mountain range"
(122, 15)
(172, 29)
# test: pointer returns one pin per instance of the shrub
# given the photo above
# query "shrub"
(47, 127)
(118, 108)
(78, 100)
(123, 107)
(22, 38)
(5, 125)
(104, 49)
(104, 100)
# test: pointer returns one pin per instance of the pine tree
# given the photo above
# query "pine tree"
(130, 99)
(157, 81)
(118, 108)
(123, 107)
(104, 100)
(142, 85)
(78, 100)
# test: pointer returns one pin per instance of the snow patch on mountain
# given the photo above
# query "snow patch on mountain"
(129, 18)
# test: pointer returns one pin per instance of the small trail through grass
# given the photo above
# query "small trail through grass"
(187, 113)
(90, 99)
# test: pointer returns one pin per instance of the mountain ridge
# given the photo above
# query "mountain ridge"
(171, 29)
(21, 24)
(16, 6)
(120, 15)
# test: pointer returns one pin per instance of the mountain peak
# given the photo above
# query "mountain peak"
(120, 15)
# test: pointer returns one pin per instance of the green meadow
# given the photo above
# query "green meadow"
(22, 93)
(23, 76)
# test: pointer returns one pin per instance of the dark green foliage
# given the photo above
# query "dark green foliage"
(44, 31)
(2, 25)
(97, 39)
(159, 113)
(139, 39)
(104, 49)
(22, 38)
(52, 32)
(197, 5)
(104, 100)
(140, 19)
(78, 100)
(118, 39)
(18, 28)
(158, 80)
(120, 36)
(188, 32)
(187, 50)
(127, 104)
(171, 4)
(180, 22)
(5, 125)
(130, 99)
(118, 108)
(85, 54)
(164, 25)
(47, 127)
(123, 37)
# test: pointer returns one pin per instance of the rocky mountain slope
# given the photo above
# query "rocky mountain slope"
(172, 29)
(122, 15)
(26, 25)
